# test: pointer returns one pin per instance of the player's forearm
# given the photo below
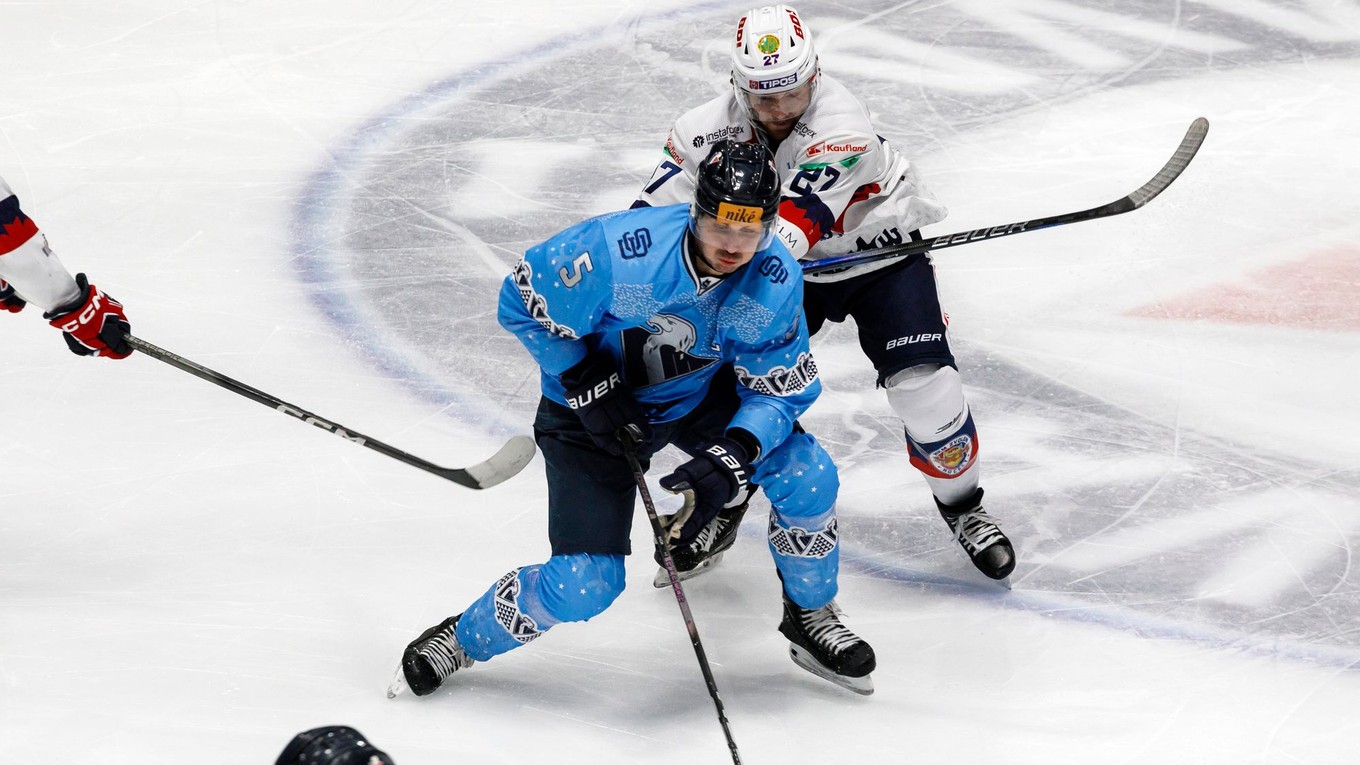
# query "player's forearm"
(30, 268)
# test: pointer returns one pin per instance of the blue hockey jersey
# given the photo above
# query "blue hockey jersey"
(622, 282)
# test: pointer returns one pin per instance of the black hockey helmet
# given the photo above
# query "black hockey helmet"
(738, 183)
(332, 745)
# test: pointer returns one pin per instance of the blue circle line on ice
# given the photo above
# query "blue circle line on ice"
(1121, 619)
(320, 268)
(314, 256)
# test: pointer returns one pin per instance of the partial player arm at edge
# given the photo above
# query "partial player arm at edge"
(30, 267)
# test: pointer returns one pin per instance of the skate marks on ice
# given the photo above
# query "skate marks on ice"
(405, 236)
(404, 241)
(1117, 520)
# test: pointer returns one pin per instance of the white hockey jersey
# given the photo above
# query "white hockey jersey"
(846, 188)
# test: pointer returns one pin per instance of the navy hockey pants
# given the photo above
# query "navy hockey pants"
(591, 507)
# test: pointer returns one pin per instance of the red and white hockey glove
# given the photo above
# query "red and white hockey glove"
(9, 300)
(93, 324)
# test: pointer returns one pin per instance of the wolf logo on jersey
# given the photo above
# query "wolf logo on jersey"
(660, 351)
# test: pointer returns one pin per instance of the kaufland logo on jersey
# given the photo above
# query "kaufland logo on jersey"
(836, 149)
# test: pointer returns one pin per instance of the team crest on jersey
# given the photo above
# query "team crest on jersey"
(660, 350)
(955, 456)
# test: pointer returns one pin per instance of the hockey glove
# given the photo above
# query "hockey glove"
(93, 324)
(603, 402)
(715, 478)
(9, 299)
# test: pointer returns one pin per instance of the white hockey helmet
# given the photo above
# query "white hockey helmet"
(773, 52)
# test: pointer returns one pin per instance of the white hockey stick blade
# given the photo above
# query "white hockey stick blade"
(501, 466)
(864, 686)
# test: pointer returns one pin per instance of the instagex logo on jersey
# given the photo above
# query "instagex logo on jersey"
(734, 132)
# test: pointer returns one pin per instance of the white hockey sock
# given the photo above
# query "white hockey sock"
(929, 399)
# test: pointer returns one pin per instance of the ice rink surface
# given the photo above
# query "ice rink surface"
(320, 198)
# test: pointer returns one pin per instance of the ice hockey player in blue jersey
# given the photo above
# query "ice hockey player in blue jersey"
(682, 324)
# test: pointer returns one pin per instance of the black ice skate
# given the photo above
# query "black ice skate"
(978, 535)
(827, 648)
(706, 550)
(429, 660)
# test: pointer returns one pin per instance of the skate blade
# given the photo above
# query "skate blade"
(864, 686)
(662, 580)
(398, 685)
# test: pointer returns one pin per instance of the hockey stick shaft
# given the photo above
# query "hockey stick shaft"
(507, 462)
(629, 439)
(1194, 137)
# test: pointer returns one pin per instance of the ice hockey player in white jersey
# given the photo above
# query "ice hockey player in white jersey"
(92, 323)
(845, 189)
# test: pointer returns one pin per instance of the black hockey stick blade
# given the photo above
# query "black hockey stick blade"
(1194, 138)
(502, 465)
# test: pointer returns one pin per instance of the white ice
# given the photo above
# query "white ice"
(186, 576)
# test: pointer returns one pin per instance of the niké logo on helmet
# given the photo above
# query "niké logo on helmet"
(730, 213)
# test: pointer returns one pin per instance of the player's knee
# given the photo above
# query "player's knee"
(799, 478)
(929, 399)
(574, 588)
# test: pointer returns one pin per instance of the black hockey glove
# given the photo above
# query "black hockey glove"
(9, 300)
(332, 745)
(605, 405)
(716, 476)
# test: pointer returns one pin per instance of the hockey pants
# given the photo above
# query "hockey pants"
(798, 478)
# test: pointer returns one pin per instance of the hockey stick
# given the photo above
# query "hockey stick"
(502, 465)
(630, 438)
(1190, 144)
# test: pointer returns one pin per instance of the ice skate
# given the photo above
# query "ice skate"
(978, 535)
(429, 660)
(824, 646)
(706, 550)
